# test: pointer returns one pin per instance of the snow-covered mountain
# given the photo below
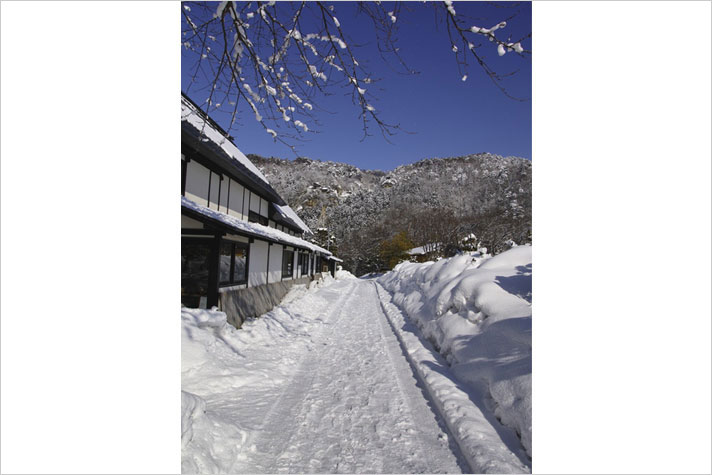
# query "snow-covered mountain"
(351, 202)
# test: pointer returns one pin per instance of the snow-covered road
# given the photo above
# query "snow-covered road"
(323, 384)
(353, 403)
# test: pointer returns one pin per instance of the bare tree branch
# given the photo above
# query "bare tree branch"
(276, 60)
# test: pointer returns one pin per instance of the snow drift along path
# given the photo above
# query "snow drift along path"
(319, 384)
(352, 405)
(476, 311)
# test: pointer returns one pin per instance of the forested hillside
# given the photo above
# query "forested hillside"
(367, 215)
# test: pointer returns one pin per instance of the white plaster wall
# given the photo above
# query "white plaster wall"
(224, 188)
(258, 263)
(275, 263)
(196, 183)
(236, 194)
(254, 202)
(245, 204)
(264, 208)
(214, 190)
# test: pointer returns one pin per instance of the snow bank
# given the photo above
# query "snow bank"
(476, 311)
(210, 443)
(344, 274)
(217, 359)
(192, 407)
(480, 437)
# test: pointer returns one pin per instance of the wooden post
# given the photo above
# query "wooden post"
(213, 271)
(269, 246)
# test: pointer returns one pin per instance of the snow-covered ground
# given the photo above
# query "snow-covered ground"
(317, 385)
(338, 380)
(476, 311)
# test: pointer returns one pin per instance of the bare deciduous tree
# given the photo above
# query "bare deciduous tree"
(275, 60)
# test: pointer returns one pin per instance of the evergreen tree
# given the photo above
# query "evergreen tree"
(394, 250)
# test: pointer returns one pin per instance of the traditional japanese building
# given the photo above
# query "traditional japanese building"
(242, 246)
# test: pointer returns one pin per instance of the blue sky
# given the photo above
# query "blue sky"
(443, 116)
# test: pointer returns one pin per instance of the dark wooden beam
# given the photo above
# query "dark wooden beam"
(184, 173)
(202, 232)
(269, 246)
(213, 269)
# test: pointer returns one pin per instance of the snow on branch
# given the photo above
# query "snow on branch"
(459, 32)
(275, 60)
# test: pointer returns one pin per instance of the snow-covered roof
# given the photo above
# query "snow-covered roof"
(194, 116)
(251, 228)
(419, 251)
(289, 213)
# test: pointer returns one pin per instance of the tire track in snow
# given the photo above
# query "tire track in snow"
(478, 439)
(352, 405)
(369, 390)
(329, 398)
(405, 374)
(281, 409)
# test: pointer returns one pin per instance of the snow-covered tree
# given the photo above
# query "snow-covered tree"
(493, 201)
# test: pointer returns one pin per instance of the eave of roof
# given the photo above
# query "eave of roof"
(202, 134)
(279, 218)
(290, 215)
(246, 228)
